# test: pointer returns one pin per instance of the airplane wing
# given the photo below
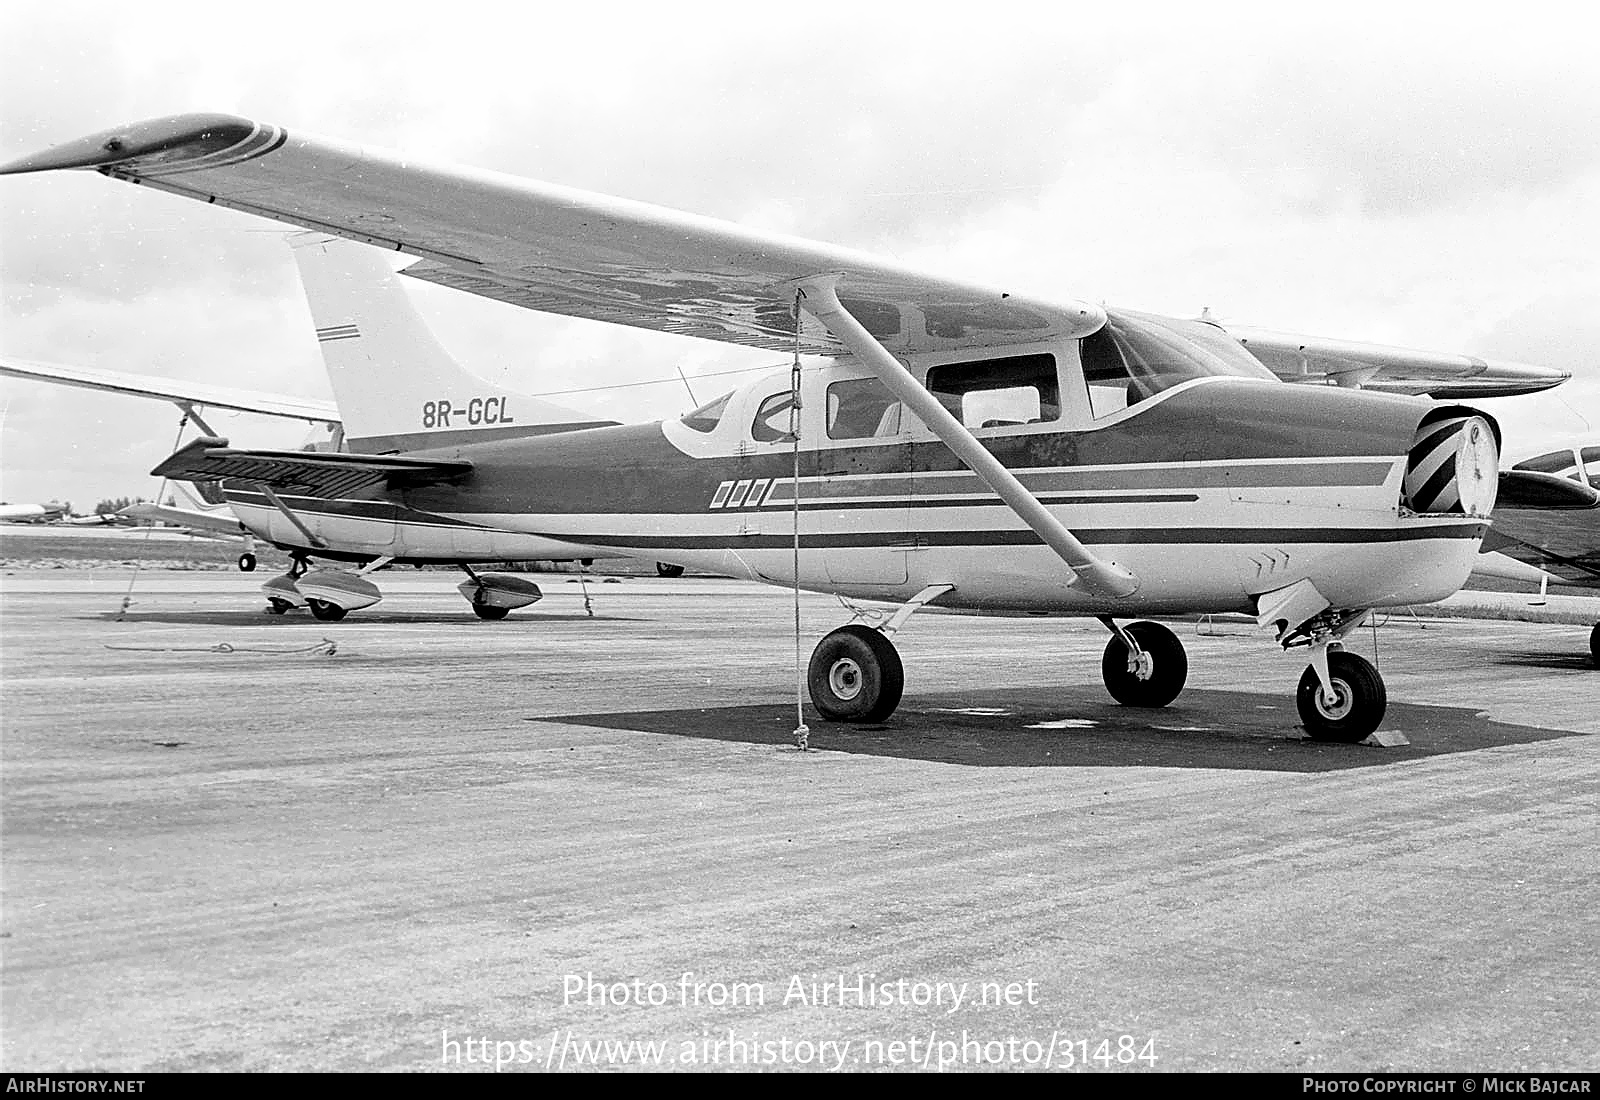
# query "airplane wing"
(307, 473)
(1317, 360)
(180, 393)
(1548, 514)
(559, 250)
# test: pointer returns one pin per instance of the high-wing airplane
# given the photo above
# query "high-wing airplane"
(978, 447)
(32, 513)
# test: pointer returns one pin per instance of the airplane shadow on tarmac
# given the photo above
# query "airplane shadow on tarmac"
(304, 621)
(1571, 660)
(1078, 727)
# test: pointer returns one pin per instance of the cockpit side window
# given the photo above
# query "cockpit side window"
(998, 393)
(771, 424)
(1135, 356)
(707, 416)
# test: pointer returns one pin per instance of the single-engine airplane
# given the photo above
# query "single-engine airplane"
(32, 513)
(982, 448)
(1548, 516)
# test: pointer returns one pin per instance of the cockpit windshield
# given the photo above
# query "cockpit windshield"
(707, 416)
(1136, 355)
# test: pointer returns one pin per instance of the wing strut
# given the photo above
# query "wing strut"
(818, 298)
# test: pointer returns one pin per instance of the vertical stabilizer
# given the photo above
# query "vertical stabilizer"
(396, 387)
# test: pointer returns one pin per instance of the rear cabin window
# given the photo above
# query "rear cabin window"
(999, 393)
(863, 408)
(707, 416)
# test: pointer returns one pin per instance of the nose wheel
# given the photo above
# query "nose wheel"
(1354, 706)
(855, 675)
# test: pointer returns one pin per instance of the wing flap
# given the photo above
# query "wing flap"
(560, 250)
(305, 473)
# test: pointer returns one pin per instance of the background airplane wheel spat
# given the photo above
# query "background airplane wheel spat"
(1452, 467)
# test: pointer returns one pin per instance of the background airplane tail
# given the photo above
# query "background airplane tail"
(396, 387)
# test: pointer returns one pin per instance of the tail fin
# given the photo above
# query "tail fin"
(396, 387)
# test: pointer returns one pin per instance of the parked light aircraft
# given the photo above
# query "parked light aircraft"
(1549, 517)
(53, 514)
(32, 513)
(981, 448)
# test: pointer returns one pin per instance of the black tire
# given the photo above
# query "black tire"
(247, 562)
(489, 611)
(1362, 700)
(324, 611)
(1594, 645)
(278, 607)
(1169, 667)
(665, 570)
(855, 675)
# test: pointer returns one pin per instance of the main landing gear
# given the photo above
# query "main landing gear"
(493, 596)
(1144, 664)
(855, 675)
(329, 594)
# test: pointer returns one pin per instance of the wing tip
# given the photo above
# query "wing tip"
(173, 140)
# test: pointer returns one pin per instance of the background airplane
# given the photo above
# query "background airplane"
(1548, 516)
(32, 513)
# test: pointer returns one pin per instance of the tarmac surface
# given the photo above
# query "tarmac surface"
(451, 841)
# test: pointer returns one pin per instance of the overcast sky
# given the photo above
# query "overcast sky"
(1424, 176)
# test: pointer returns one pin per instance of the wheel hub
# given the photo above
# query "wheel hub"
(1340, 705)
(844, 678)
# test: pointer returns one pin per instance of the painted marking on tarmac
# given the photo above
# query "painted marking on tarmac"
(1065, 724)
(981, 712)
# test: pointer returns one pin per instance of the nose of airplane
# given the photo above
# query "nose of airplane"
(1452, 466)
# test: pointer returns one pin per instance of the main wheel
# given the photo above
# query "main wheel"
(855, 675)
(276, 606)
(489, 611)
(247, 562)
(1594, 645)
(325, 611)
(1154, 686)
(665, 570)
(1359, 704)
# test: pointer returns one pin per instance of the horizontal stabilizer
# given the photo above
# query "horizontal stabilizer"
(178, 392)
(306, 473)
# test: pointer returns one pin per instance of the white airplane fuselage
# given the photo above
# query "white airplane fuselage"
(1211, 493)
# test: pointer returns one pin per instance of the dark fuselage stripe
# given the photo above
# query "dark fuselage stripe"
(1144, 536)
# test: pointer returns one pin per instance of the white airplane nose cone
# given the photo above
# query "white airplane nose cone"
(1477, 473)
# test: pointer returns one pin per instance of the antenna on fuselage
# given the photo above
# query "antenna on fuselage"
(692, 397)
